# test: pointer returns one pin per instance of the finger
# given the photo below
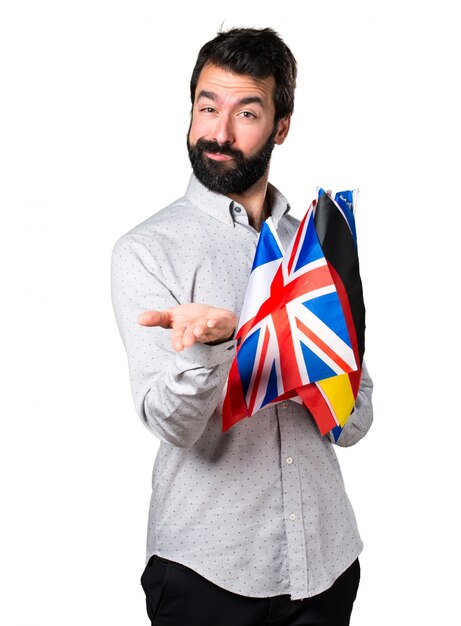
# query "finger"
(199, 329)
(220, 329)
(221, 318)
(155, 318)
(220, 324)
(177, 339)
(213, 335)
(192, 335)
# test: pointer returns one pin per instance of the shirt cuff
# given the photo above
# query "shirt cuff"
(202, 355)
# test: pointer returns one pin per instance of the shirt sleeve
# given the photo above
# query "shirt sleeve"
(361, 418)
(175, 393)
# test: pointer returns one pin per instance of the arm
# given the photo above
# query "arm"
(361, 418)
(175, 392)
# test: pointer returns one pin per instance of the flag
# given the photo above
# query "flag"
(301, 328)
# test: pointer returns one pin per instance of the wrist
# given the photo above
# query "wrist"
(223, 340)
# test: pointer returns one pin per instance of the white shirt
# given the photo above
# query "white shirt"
(260, 510)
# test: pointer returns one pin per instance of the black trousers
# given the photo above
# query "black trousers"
(178, 596)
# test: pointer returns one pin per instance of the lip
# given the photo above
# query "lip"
(218, 157)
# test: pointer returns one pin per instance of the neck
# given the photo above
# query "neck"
(255, 202)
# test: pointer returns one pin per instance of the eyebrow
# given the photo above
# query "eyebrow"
(248, 100)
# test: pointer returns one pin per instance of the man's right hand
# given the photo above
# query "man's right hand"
(192, 323)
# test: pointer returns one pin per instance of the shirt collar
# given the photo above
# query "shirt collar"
(221, 207)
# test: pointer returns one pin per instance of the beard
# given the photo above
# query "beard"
(228, 177)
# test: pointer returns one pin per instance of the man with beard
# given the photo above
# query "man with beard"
(252, 526)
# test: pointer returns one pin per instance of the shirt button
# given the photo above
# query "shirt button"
(285, 405)
(289, 460)
(238, 209)
(292, 516)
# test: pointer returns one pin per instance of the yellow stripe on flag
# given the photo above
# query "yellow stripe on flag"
(338, 390)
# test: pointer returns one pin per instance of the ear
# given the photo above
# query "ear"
(282, 130)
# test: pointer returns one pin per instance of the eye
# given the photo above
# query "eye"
(207, 110)
(248, 115)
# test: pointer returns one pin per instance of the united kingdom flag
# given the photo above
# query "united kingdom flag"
(296, 337)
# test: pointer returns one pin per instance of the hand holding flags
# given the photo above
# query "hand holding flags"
(301, 330)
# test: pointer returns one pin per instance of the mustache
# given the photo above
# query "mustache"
(213, 147)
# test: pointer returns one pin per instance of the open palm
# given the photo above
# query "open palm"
(192, 323)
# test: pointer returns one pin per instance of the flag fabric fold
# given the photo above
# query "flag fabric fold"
(301, 329)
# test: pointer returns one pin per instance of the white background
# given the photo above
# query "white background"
(94, 113)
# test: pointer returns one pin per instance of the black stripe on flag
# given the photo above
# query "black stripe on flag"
(340, 250)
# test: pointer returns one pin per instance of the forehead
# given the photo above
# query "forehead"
(229, 87)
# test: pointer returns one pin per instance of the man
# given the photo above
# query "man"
(252, 526)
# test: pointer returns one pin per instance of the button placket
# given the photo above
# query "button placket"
(292, 504)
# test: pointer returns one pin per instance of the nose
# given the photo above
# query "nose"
(223, 131)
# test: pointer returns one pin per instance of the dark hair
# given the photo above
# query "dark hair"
(259, 53)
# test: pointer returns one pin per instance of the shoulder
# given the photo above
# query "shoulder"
(175, 212)
(165, 227)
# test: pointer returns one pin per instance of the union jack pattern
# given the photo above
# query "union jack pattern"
(292, 331)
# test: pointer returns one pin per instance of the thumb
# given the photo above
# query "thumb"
(155, 318)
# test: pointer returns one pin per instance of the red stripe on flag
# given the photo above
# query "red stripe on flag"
(234, 406)
(285, 396)
(299, 232)
(319, 408)
(288, 362)
(354, 378)
(244, 330)
(262, 360)
(282, 293)
(323, 346)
